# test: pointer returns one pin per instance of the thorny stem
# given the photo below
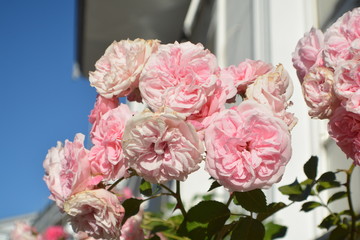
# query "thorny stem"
(115, 183)
(230, 199)
(177, 196)
(351, 207)
(119, 180)
(180, 204)
(168, 189)
(157, 195)
(323, 203)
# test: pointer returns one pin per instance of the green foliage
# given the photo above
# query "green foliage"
(310, 167)
(145, 188)
(271, 209)
(339, 233)
(329, 221)
(253, 201)
(248, 229)
(337, 196)
(214, 185)
(273, 231)
(131, 206)
(204, 220)
(308, 206)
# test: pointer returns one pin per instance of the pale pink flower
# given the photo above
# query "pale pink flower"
(131, 230)
(118, 70)
(106, 156)
(244, 74)
(308, 52)
(183, 72)
(347, 85)
(96, 212)
(102, 106)
(161, 146)
(215, 103)
(67, 170)
(24, 231)
(342, 39)
(274, 90)
(55, 233)
(247, 147)
(318, 90)
(344, 128)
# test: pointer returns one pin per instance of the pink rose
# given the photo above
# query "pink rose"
(118, 70)
(161, 146)
(24, 231)
(102, 106)
(344, 128)
(55, 233)
(182, 75)
(131, 230)
(245, 73)
(96, 212)
(214, 104)
(341, 39)
(319, 93)
(347, 85)
(67, 170)
(247, 147)
(106, 156)
(308, 52)
(273, 90)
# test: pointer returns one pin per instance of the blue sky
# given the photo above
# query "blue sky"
(40, 102)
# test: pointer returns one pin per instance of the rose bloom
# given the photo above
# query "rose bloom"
(118, 70)
(273, 90)
(344, 128)
(342, 39)
(247, 147)
(96, 212)
(161, 146)
(67, 170)
(319, 92)
(245, 73)
(308, 52)
(55, 233)
(131, 230)
(24, 231)
(347, 85)
(106, 156)
(180, 76)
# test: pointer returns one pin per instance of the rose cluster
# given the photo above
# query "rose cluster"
(328, 67)
(186, 121)
(23, 231)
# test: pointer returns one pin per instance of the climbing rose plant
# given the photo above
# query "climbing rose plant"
(191, 117)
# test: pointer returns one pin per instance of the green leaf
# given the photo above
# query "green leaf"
(145, 188)
(321, 186)
(339, 233)
(253, 201)
(308, 206)
(131, 206)
(327, 177)
(207, 217)
(337, 196)
(293, 188)
(273, 231)
(248, 229)
(270, 210)
(310, 167)
(329, 221)
(214, 185)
